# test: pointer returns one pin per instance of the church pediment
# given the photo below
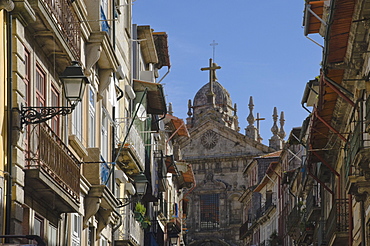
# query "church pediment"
(213, 140)
(209, 184)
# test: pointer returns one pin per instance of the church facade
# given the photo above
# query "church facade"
(219, 155)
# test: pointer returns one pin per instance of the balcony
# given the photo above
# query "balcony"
(293, 220)
(358, 157)
(52, 173)
(337, 223)
(130, 233)
(56, 27)
(313, 206)
(100, 200)
(246, 229)
(132, 153)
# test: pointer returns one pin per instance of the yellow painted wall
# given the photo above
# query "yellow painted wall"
(3, 118)
(2, 92)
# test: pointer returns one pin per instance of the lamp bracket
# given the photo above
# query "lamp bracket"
(128, 201)
(36, 115)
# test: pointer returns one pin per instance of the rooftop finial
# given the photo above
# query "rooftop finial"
(235, 109)
(189, 108)
(250, 117)
(282, 122)
(274, 128)
(250, 130)
(170, 111)
(275, 142)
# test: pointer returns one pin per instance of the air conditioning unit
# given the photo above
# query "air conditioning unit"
(147, 76)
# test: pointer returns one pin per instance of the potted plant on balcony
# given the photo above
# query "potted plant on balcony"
(139, 212)
(146, 222)
(275, 239)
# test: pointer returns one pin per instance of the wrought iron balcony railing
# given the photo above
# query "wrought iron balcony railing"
(130, 232)
(47, 152)
(338, 220)
(313, 205)
(132, 152)
(66, 21)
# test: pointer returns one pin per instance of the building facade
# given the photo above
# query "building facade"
(69, 172)
(218, 154)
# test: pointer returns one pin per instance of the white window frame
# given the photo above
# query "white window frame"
(103, 241)
(104, 134)
(52, 235)
(77, 121)
(76, 229)
(92, 121)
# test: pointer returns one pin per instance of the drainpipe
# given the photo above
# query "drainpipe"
(164, 76)
(350, 220)
(363, 217)
(9, 184)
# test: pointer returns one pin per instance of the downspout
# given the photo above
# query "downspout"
(363, 225)
(350, 220)
(9, 184)
(164, 76)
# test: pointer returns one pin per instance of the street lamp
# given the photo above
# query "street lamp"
(74, 82)
(141, 183)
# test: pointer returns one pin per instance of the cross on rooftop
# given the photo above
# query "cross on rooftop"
(214, 48)
(212, 70)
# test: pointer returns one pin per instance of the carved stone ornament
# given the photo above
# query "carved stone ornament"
(8, 5)
(209, 139)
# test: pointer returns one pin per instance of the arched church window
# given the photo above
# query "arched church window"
(209, 211)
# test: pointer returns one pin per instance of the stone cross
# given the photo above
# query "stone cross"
(212, 70)
(212, 77)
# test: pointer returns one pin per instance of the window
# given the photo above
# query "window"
(40, 84)
(38, 225)
(103, 241)
(77, 121)
(209, 211)
(91, 118)
(27, 96)
(52, 235)
(104, 16)
(76, 229)
(104, 134)
(55, 121)
(90, 236)
(27, 75)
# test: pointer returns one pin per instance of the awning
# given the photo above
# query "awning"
(179, 125)
(161, 44)
(312, 24)
(148, 49)
(156, 102)
(267, 177)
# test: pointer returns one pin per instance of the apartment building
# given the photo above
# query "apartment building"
(75, 167)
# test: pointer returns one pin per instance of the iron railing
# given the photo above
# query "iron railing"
(135, 143)
(338, 220)
(312, 203)
(48, 152)
(66, 21)
(293, 218)
(130, 231)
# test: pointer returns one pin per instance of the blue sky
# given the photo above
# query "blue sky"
(261, 49)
